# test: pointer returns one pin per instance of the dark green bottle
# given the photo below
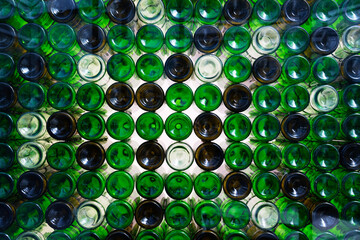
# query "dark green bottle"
(34, 11)
(348, 69)
(33, 37)
(266, 98)
(349, 156)
(296, 156)
(295, 185)
(120, 155)
(236, 40)
(90, 155)
(179, 11)
(179, 67)
(62, 185)
(235, 214)
(7, 216)
(119, 185)
(207, 214)
(265, 185)
(178, 38)
(293, 214)
(266, 69)
(30, 215)
(178, 214)
(121, 38)
(91, 126)
(349, 99)
(63, 208)
(179, 97)
(265, 127)
(149, 67)
(121, 11)
(350, 127)
(207, 185)
(325, 186)
(150, 97)
(93, 12)
(267, 156)
(207, 38)
(207, 126)
(178, 126)
(324, 70)
(119, 214)
(295, 127)
(295, 40)
(149, 184)
(149, 126)
(121, 67)
(208, 97)
(208, 11)
(296, 69)
(61, 125)
(237, 68)
(91, 184)
(61, 96)
(60, 156)
(238, 156)
(237, 12)
(237, 98)
(325, 157)
(31, 66)
(265, 12)
(324, 128)
(178, 185)
(150, 155)
(149, 214)
(294, 98)
(62, 38)
(120, 125)
(237, 127)
(91, 37)
(120, 96)
(149, 38)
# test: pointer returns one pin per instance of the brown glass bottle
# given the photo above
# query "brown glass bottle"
(90, 155)
(206, 235)
(179, 67)
(61, 125)
(150, 155)
(237, 185)
(295, 185)
(150, 96)
(295, 127)
(207, 126)
(209, 156)
(8, 96)
(266, 69)
(323, 215)
(207, 39)
(119, 235)
(120, 96)
(237, 12)
(31, 185)
(149, 214)
(7, 215)
(237, 98)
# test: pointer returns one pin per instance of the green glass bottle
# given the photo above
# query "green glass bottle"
(7, 156)
(294, 98)
(178, 38)
(93, 12)
(33, 37)
(177, 235)
(10, 15)
(30, 215)
(96, 234)
(120, 155)
(30, 234)
(179, 11)
(34, 11)
(324, 98)
(265, 12)
(207, 185)
(149, 67)
(119, 214)
(149, 38)
(90, 184)
(266, 127)
(121, 67)
(323, 13)
(296, 156)
(149, 126)
(91, 67)
(62, 67)
(7, 128)
(293, 214)
(266, 98)
(350, 127)
(325, 157)
(31, 155)
(347, 151)
(266, 185)
(324, 128)
(91, 126)
(208, 97)
(120, 125)
(296, 69)
(121, 38)
(349, 99)
(32, 96)
(179, 156)
(236, 40)
(237, 68)
(238, 156)
(149, 184)
(60, 156)
(324, 70)
(7, 69)
(207, 214)
(267, 156)
(119, 185)
(62, 38)
(283, 232)
(90, 215)
(294, 41)
(178, 214)
(179, 97)
(178, 185)
(237, 127)
(61, 96)
(349, 186)
(150, 11)
(208, 68)
(235, 214)
(208, 11)
(325, 186)
(178, 126)
(62, 185)
(8, 184)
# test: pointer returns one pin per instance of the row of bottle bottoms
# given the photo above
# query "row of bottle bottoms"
(207, 214)
(233, 12)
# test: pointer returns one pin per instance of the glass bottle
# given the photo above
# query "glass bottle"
(207, 39)
(208, 68)
(119, 214)
(237, 68)
(62, 208)
(266, 98)
(237, 127)
(237, 12)
(62, 38)
(121, 38)
(265, 185)
(295, 127)
(91, 126)
(207, 214)
(149, 126)
(208, 11)
(267, 156)
(150, 11)
(178, 38)
(237, 97)
(149, 214)
(208, 97)
(61, 96)
(266, 69)
(209, 156)
(178, 11)
(178, 67)
(150, 155)
(61, 125)
(121, 67)
(295, 185)
(121, 11)
(90, 215)
(90, 155)
(178, 185)
(91, 37)
(90, 97)
(150, 97)
(149, 38)
(120, 96)
(149, 67)
(90, 184)
(149, 184)
(120, 185)
(207, 126)
(120, 125)
(31, 185)
(207, 185)
(178, 126)
(178, 214)
(237, 185)
(93, 12)
(238, 156)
